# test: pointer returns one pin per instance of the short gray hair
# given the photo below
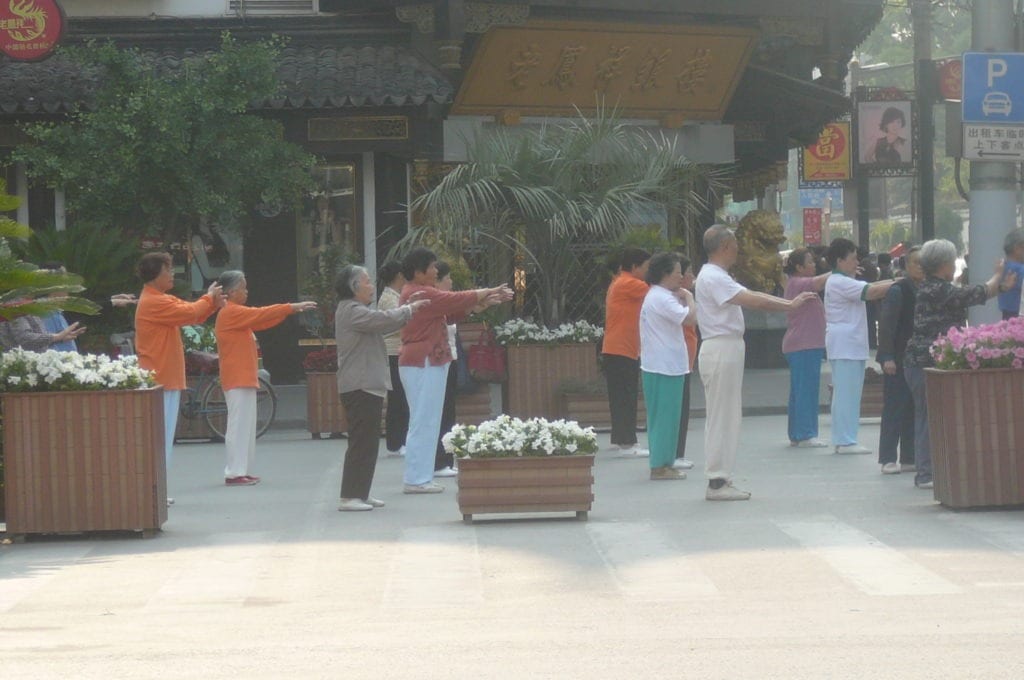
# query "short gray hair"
(935, 254)
(348, 279)
(1012, 240)
(717, 236)
(230, 279)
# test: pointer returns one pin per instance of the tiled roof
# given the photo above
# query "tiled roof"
(311, 77)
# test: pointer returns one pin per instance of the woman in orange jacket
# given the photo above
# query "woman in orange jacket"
(236, 347)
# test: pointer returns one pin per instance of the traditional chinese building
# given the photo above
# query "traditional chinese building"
(382, 91)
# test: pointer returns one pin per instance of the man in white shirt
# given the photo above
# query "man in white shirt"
(720, 318)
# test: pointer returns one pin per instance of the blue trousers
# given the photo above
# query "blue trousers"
(424, 389)
(804, 383)
(172, 400)
(664, 397)
(847, 385)
(922, 438)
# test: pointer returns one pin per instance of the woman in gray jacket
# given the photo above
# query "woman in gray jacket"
(363, 378)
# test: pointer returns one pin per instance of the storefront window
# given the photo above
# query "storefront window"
(329, 220)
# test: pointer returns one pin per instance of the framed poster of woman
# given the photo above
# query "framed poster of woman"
(885, 135)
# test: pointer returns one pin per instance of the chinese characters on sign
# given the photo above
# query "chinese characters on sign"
(993, 142)
(30, 29)
(812, 226)
(828, 159)
(687, 72)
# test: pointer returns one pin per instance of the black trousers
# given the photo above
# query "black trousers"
(443, 459)
(684, 417)
(897, 429)
(623, 377)
(363, 411)
(396, 422)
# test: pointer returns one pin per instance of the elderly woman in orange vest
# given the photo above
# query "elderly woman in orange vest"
(158, 321)
(236, 347)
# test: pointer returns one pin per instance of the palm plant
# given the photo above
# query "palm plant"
(535, 192)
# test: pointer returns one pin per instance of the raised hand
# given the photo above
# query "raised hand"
(416, 304)
(69, 333)
(217, 293)
(123, 299)
(304, 306)
(803, 298)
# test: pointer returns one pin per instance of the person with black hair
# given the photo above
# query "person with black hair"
(890, 148)
(664, 362)
(396, 418)
(424, 358)
(620, 348)
(444, 462)
(846, 340)
(803, 345)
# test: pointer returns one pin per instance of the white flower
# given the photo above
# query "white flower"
(505, 436)
(21, 370)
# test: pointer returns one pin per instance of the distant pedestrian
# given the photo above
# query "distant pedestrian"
(692, 342)
(363, 378)
(719, 301)
(620, 348)
(396, 419)
(846, 340)
(158, 321)
(239, 369)
(664, 363)
(895, 326)
(803, 345)
(940, 306)
(1013, 247)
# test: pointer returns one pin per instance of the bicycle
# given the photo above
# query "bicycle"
(206, 398)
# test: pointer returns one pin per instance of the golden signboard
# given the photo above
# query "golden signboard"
(680, 72)
(828, 159)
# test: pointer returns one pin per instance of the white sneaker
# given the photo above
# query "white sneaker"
(429, 487)
(446, 472)
(397, 454)
(353, 505)
(726, 492)
(375, 502)
(852, 449)
(682, 464)
(890, 469)
(812, 443)
(633, 451)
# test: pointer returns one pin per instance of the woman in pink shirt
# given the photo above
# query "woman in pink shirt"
(424, 357)
(804, 348)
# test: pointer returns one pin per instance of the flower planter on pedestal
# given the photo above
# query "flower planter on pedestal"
(977, 436)
(324, 412)
(536, 371)
(528, 484)
(84, 461)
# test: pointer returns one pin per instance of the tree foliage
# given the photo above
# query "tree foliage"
(535, 192)
(158, 148)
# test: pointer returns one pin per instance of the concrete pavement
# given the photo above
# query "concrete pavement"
(830, 571)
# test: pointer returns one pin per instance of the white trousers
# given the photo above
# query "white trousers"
(424, 390)
(240, 434)
(721, 371)
(172, 401)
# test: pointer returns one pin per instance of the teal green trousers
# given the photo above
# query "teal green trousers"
(663, 395)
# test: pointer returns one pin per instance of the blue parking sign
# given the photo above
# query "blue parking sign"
(993, 87)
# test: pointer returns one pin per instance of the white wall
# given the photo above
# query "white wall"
(144, 8)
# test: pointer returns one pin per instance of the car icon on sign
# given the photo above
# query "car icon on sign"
(996, 102)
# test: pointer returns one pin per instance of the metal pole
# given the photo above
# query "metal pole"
(924, 80)
(993, 204)
(862, 182)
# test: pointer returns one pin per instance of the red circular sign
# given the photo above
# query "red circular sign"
(30, 29)
(830, 145)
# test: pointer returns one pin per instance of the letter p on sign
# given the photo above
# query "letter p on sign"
(996, 69)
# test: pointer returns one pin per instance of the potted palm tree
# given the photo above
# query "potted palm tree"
(530, 195)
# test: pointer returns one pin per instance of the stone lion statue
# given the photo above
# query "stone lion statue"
(759, 266)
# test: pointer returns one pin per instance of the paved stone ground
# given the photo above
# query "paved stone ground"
(830, 571)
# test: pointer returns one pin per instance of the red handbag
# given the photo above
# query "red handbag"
(486, 359)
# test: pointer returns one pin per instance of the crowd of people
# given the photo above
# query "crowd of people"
(400, 350)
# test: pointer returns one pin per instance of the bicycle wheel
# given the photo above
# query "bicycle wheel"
(215, 409)
(266, 407)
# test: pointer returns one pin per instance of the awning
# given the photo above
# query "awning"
(312, 77)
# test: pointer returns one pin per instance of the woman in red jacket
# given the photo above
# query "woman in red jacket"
(236, 347)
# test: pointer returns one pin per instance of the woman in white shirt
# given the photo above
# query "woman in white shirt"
(846, 340)
(664, 363)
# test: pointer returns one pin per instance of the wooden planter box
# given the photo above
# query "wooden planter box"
(591, 410)
(535, 373)
(977, 436)
(505, 485)
(324, 412)
(84, 461)
(475, 408)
